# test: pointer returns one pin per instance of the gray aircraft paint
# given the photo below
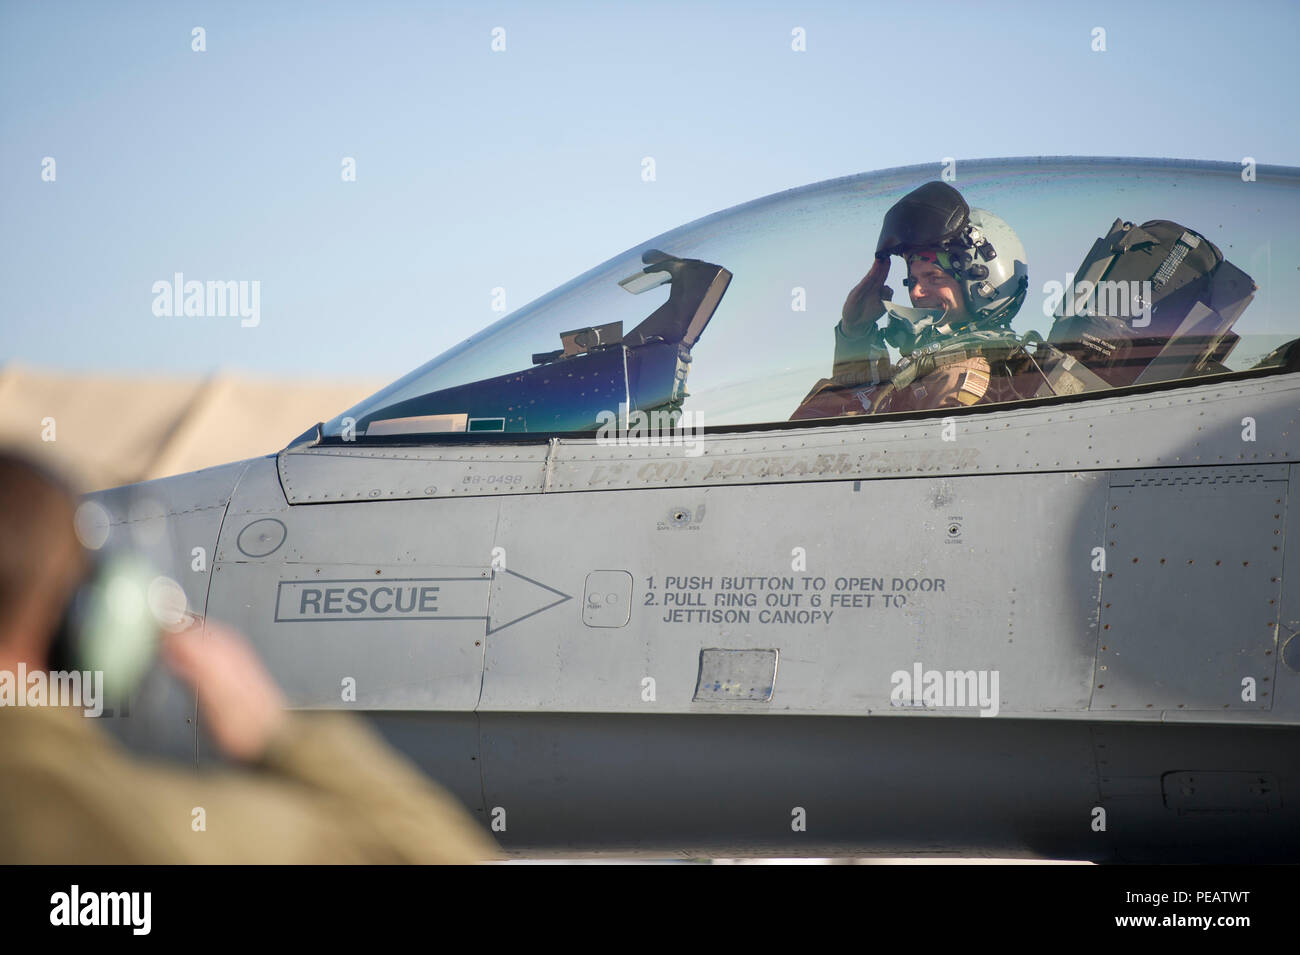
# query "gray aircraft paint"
(522, 686)
(1030, 491)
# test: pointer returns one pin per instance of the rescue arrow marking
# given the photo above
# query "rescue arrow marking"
(416, 598)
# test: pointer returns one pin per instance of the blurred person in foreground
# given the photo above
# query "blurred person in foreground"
(310, 788)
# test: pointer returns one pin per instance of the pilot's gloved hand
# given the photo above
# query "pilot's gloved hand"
(865, 303)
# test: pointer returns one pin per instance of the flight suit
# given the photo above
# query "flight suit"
(958, 369)
(326, 790)
(860, 366)
(954, 384)
(953, 376)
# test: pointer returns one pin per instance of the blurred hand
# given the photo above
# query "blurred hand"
(865, 303)
(241, 705)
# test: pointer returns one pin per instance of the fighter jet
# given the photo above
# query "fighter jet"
(593, 573)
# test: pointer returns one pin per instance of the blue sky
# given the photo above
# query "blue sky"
(521, 169)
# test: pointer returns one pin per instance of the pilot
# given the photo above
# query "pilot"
(967, 278)
(303, 788)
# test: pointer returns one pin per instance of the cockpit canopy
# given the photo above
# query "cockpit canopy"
(733, 317)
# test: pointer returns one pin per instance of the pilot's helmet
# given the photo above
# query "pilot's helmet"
(974, 246)
(997, 295)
